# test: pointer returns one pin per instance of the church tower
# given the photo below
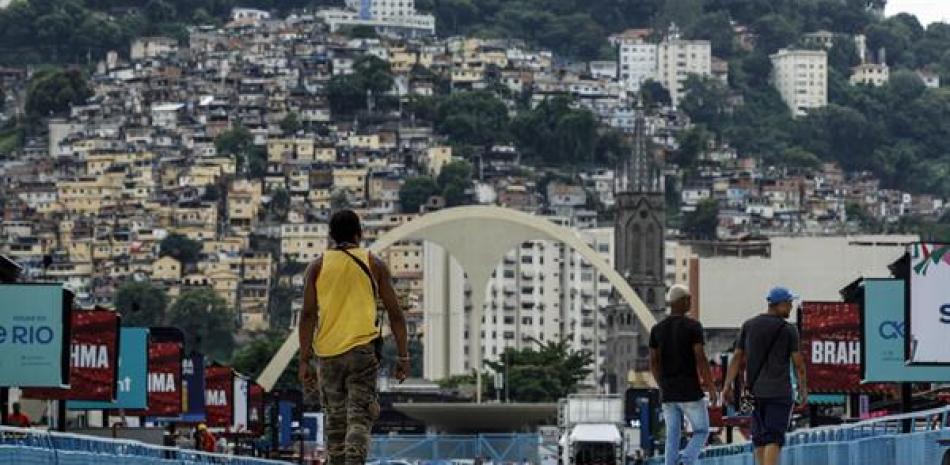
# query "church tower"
(639, 231)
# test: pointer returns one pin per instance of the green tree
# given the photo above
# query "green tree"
(141, 304)
(52, 92)
(706, 102)
(454, 179)
(717, 28)
(290, 124)
(774, 31)
(209, 325)
(556, 133)
(253, 357)
(474, 118)
(345, 95)
(702, 222)
(654, 94)
(692, 144)
(544, 373)
(180, 248)
(281, 306)
(280, 203)
(415, 192)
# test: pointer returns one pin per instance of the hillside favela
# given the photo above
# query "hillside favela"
(475, 232)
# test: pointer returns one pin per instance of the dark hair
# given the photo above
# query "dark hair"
(345, 226)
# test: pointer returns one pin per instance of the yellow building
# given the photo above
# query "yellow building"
(363, 141)
(244, 201)
(90, 194)
(351, 179)
(166, 269)
(436, 158)
(303, 242)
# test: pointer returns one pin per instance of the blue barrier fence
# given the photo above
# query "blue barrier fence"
(499, 448)
(38, 447)
(873, 442)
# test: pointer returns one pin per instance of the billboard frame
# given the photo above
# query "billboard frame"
(908, 302)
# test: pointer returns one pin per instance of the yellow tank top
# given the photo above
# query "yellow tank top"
(347, 306)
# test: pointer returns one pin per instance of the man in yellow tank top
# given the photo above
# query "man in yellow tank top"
(339, 326)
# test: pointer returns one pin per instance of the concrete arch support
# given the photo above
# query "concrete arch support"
(478, 238)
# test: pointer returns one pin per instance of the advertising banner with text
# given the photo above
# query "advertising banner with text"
(193, 387)
(219, 395)
(255, 408)
(883, 337)
(131, 386)
(831, 346)
(34, 337)
(164, 378)
(928, 318)
(93, 360)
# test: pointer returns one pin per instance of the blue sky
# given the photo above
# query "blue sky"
(927, 11)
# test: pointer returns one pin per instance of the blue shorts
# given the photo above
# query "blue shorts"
(770, 421)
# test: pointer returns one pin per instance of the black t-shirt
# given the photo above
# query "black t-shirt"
(674, 337)
(755, 337)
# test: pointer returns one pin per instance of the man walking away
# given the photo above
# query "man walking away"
(340, 294)
(766, 344)
(676, 352)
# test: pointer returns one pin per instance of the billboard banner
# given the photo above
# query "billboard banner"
(831, 346)
(219, 396)
(131, 386)
(255, 408)
(164, 378)
(193, 387)
(93, 360)
(34, 335)
(241, 392)
(883, 337)
(928, 318)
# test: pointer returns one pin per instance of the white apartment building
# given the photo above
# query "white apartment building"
(387, 16)
(540, 292)
(677, 59)
(637, 62)
(870, 73)
(801, 77)
(370, 9)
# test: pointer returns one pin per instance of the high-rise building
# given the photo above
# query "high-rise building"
(670, 62)
(801, 77)
(637, 60)
(377, 9)
(541, 291)
(677, 59)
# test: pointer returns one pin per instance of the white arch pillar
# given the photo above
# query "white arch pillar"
(478, 237)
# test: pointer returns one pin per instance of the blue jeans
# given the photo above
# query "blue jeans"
(698, 417)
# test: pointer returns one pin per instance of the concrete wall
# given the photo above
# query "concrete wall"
(732, 289)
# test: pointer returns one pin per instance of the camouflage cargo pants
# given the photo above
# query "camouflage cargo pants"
(350, 404)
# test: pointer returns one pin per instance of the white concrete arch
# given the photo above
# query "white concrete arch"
(479, 237)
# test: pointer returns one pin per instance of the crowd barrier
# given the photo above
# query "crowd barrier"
(497, 448)
(39, 447)
(879, 441)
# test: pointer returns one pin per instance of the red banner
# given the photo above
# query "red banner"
(255, 408)
(831, 347)
(164, 378)
(219, 395)
(94, 352)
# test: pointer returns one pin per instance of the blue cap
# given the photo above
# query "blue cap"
(780, 294)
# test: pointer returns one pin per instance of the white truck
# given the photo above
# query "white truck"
(592, 430)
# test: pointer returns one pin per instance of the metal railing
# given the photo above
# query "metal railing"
(40, 447)
(497, 448)
(879, 441)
